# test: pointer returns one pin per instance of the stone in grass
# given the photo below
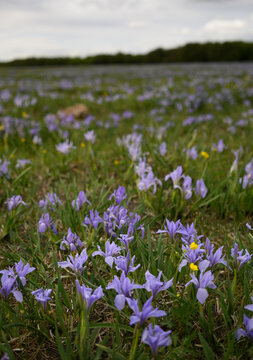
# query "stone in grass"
(77, 110)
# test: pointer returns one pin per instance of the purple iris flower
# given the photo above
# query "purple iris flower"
(65, 147)
(90, 136)
(154, 284)
(238, 256)
(5, 357)
(162, 149)
(132, 225)
(21, 163)
(14, 201)
(79, 201)
(93, 220)
(43, 296)
(10, 285)
(250, 306)
(249, 227)
(119, 194)
(147, 311)
(201, 189)
(110, 250)
(191, 256)
(175, 176)
(75, 263)
(125, 239)
(172, 228)
(88, 295)
(4, 168)
(126, 265)
(142, 168)
(148, 180)
(205, 280)
(214, 258)
(187, 187)
(192, 153)
(115, 217)
(156, 337)
(51, 200)
(220, 146)
(247, 180)
(21, 271)
(72, 241)
(124, 287)
(45, 223)
(189, 234)
(248, 323)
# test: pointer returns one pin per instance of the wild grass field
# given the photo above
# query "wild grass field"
(127, 233)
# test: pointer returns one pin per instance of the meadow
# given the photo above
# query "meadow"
(127, 233)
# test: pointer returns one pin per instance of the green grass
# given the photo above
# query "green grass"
(65, 330)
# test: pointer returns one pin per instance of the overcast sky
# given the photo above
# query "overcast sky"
(87, 27)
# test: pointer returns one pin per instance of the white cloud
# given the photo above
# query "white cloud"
(224, 26)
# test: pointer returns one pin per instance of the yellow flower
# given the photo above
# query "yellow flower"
(116, 162)
(193, 267)
(22, 140)
(193, 246)
(44, 151)
(83, 145)
(204, 154)
(24, 114)
(178, 295)
(1, 127)
(214, 149)
(12, 156)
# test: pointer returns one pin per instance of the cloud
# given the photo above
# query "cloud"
(224, 26)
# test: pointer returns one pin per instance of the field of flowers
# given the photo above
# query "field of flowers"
(127, 233)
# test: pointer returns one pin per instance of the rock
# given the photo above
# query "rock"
(78, 111)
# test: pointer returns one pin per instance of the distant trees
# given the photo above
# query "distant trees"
(193, 52)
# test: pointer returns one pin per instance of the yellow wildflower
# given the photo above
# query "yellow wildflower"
(193, 246)
(193, 267)
(204, 154)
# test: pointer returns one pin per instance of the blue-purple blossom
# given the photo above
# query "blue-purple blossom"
(110, 250)
(191, 256)
(125, 239)
(175, 176)
(90, 136)
(14, 201)
(220, 146)
(42, 296)
(10, 285)
(214, 258)
(21, 163)
(154, 284)
(187, 187)
(172, 228)
(201, 189)
(65, 147)
(192, 153)
(147, 311)
(4, 168)
(156, 337)
(250, 306)
(51, 200)
(124, 287)
(93, 220)
(119, 194)
(45, 223)
(238, 256)
(205, 281)
(248, 323)
(147, 181)
(71, 241)
(125, 264)
(75, 263)
(249, 227)
(162, 149)
(88, 295)
(79, 201)
(22, 270)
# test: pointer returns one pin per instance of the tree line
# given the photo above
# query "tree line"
(193, 52)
